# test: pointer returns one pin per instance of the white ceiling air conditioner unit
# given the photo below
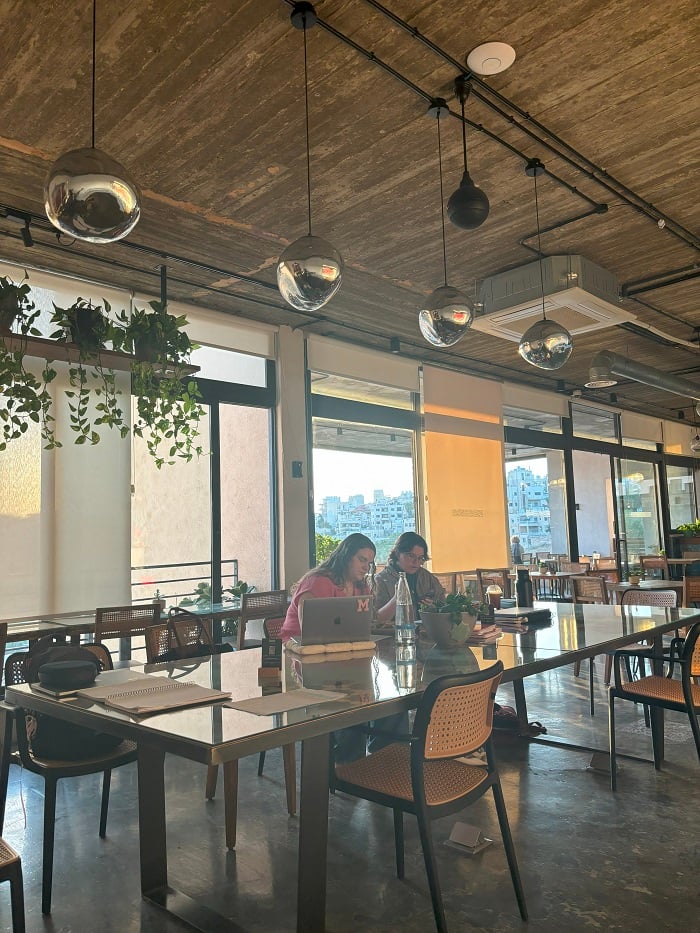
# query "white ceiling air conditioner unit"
(578, 294)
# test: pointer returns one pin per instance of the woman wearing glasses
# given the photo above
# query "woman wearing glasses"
(408, 554)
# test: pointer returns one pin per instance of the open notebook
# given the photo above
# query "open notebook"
(152, 695)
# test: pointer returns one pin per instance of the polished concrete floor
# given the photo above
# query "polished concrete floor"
(590, 860)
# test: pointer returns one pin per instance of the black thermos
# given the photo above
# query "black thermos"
(523, 588)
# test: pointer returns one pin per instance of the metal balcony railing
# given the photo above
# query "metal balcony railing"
(176, 581)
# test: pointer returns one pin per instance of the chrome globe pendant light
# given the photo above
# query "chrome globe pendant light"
(87, 193)
(447, 313)
(546, 344)
(310, 269)
(468, 206)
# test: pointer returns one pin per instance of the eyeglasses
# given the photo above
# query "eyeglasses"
(415, 558)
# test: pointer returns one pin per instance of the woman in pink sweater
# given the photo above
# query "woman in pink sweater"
(344, 573)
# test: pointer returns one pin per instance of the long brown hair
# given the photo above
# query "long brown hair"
(335, 566)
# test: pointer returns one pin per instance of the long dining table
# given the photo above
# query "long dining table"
(368, 687)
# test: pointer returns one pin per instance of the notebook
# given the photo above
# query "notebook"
(152, 695)
(532, 615)
(333, 620)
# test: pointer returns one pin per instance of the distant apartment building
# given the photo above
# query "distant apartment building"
(384, 517)
(528, 509)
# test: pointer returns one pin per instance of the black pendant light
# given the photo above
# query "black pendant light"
(447, 314)
(310, 269)
(546, 344)
(87, 193)
(468, 206)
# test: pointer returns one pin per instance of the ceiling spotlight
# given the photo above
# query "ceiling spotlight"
(447, 313)
(599, 374)
(310, 269)
(394, 345)
(695, 444)
(27, 234)
(87, 193)
(546, 345)
(468, 206)
(491, 58)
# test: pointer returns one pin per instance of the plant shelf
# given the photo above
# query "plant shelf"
(44, 348)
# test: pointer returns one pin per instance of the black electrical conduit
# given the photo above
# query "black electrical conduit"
(576, 159)
(428, 98)
(650, 284)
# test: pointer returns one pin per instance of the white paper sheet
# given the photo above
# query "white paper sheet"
(282, 702)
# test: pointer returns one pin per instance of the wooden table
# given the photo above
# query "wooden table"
(217, 734)
(617, 589)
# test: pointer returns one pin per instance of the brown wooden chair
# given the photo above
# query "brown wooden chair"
(422, 773)
(123, 622)
(654, 565)
(485, 577)
(607, 568)
(53, 770)
(448, 581)
(691, 592)
(572, 566)
(588, 588)
(11, 870)
(660, 692)
(259, 606)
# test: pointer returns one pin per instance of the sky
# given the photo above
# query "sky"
(339, 473)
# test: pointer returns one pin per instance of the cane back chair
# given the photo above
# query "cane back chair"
(123, 622)
(588, 588)
(424, 774)
(654, 565)
(485, 578)
(11, 870)
(260, 606)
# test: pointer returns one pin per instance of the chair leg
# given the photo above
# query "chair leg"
(577, 668)
(212, 775)
(261, 763)
(590, 687)
(657, 734)
(431, 871)
(17, 899)
(231, 801)
(398, 842)
(106, 783)
(47, 855)
(696, 729)
(510, 848)
(608, 669)
(289, 759)
(611, 734)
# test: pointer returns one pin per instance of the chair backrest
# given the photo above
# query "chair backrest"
(485, 577)
(606, 563)
(691, 591)
(640, 597)
(691, 655)
(183, 635)
(572, 566)
(273, 627)
(448, 581)
(656, 563)
(455, 713)
(263, 605)
(588, 588)
(125, 621)
(16, 663)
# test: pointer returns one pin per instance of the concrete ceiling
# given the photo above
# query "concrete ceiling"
(204, 104)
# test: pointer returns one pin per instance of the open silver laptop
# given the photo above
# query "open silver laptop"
(337, 619)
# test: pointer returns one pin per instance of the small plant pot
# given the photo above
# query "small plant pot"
(440, 629)
(634, 579)
(8, 316)
(89, 330)
(148, 347)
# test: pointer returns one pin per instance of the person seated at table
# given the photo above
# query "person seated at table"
(516, 549)
(409, 553)
(344, 573)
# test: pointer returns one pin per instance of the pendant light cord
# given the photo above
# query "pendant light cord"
(442, 200)
(164, 285)
(539, 246)
(94, 44)
(464, 133)
(308, 147)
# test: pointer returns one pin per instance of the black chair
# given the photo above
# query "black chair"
(11, 870)
(422, 774)
(53, 770)
(660, 692)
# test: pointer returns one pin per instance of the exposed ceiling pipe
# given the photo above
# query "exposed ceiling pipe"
(606, 365)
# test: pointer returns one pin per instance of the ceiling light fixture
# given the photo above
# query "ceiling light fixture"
(310, 269)
(394, 345)
(468, 206)
(447, 313)
(87, 193)
(491, 58)
(546, 345)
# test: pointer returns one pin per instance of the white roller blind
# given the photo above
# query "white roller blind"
(677, 437)
(455, 403)
(535, 400)
(640, 428)
(342, 359)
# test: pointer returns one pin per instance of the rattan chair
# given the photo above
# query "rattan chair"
(639, 597)
(654, 565)
(485, 577)
(423, 775)
(124, 622)
(448, 581)
(259, 606)
(53, 770)
(272, 629)
(572, 566)
(11, 870)
(588, 588)
(660, 692)
(691, 592)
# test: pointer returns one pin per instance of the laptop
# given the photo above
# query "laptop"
(337, 619)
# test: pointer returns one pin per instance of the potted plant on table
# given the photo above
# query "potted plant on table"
(168, 411)
(634, 574)
(24, 398)
(451, 621)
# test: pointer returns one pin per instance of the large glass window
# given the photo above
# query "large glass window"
(595, 423)
(536, 492)
(637, 508)
(682, 495)
(595, 515)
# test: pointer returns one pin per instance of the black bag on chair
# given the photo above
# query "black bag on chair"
(60, 666)
(189, 637)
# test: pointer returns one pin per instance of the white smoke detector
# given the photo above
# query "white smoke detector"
(491, 58)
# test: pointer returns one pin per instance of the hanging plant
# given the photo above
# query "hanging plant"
(23, 397)
(88, 327)
(168, 411)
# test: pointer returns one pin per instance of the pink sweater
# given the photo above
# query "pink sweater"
(316, 586)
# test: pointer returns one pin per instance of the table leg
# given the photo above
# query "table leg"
(520, 701)
(152, 837)
(657, 712)
(5, 751)
(313, 835)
